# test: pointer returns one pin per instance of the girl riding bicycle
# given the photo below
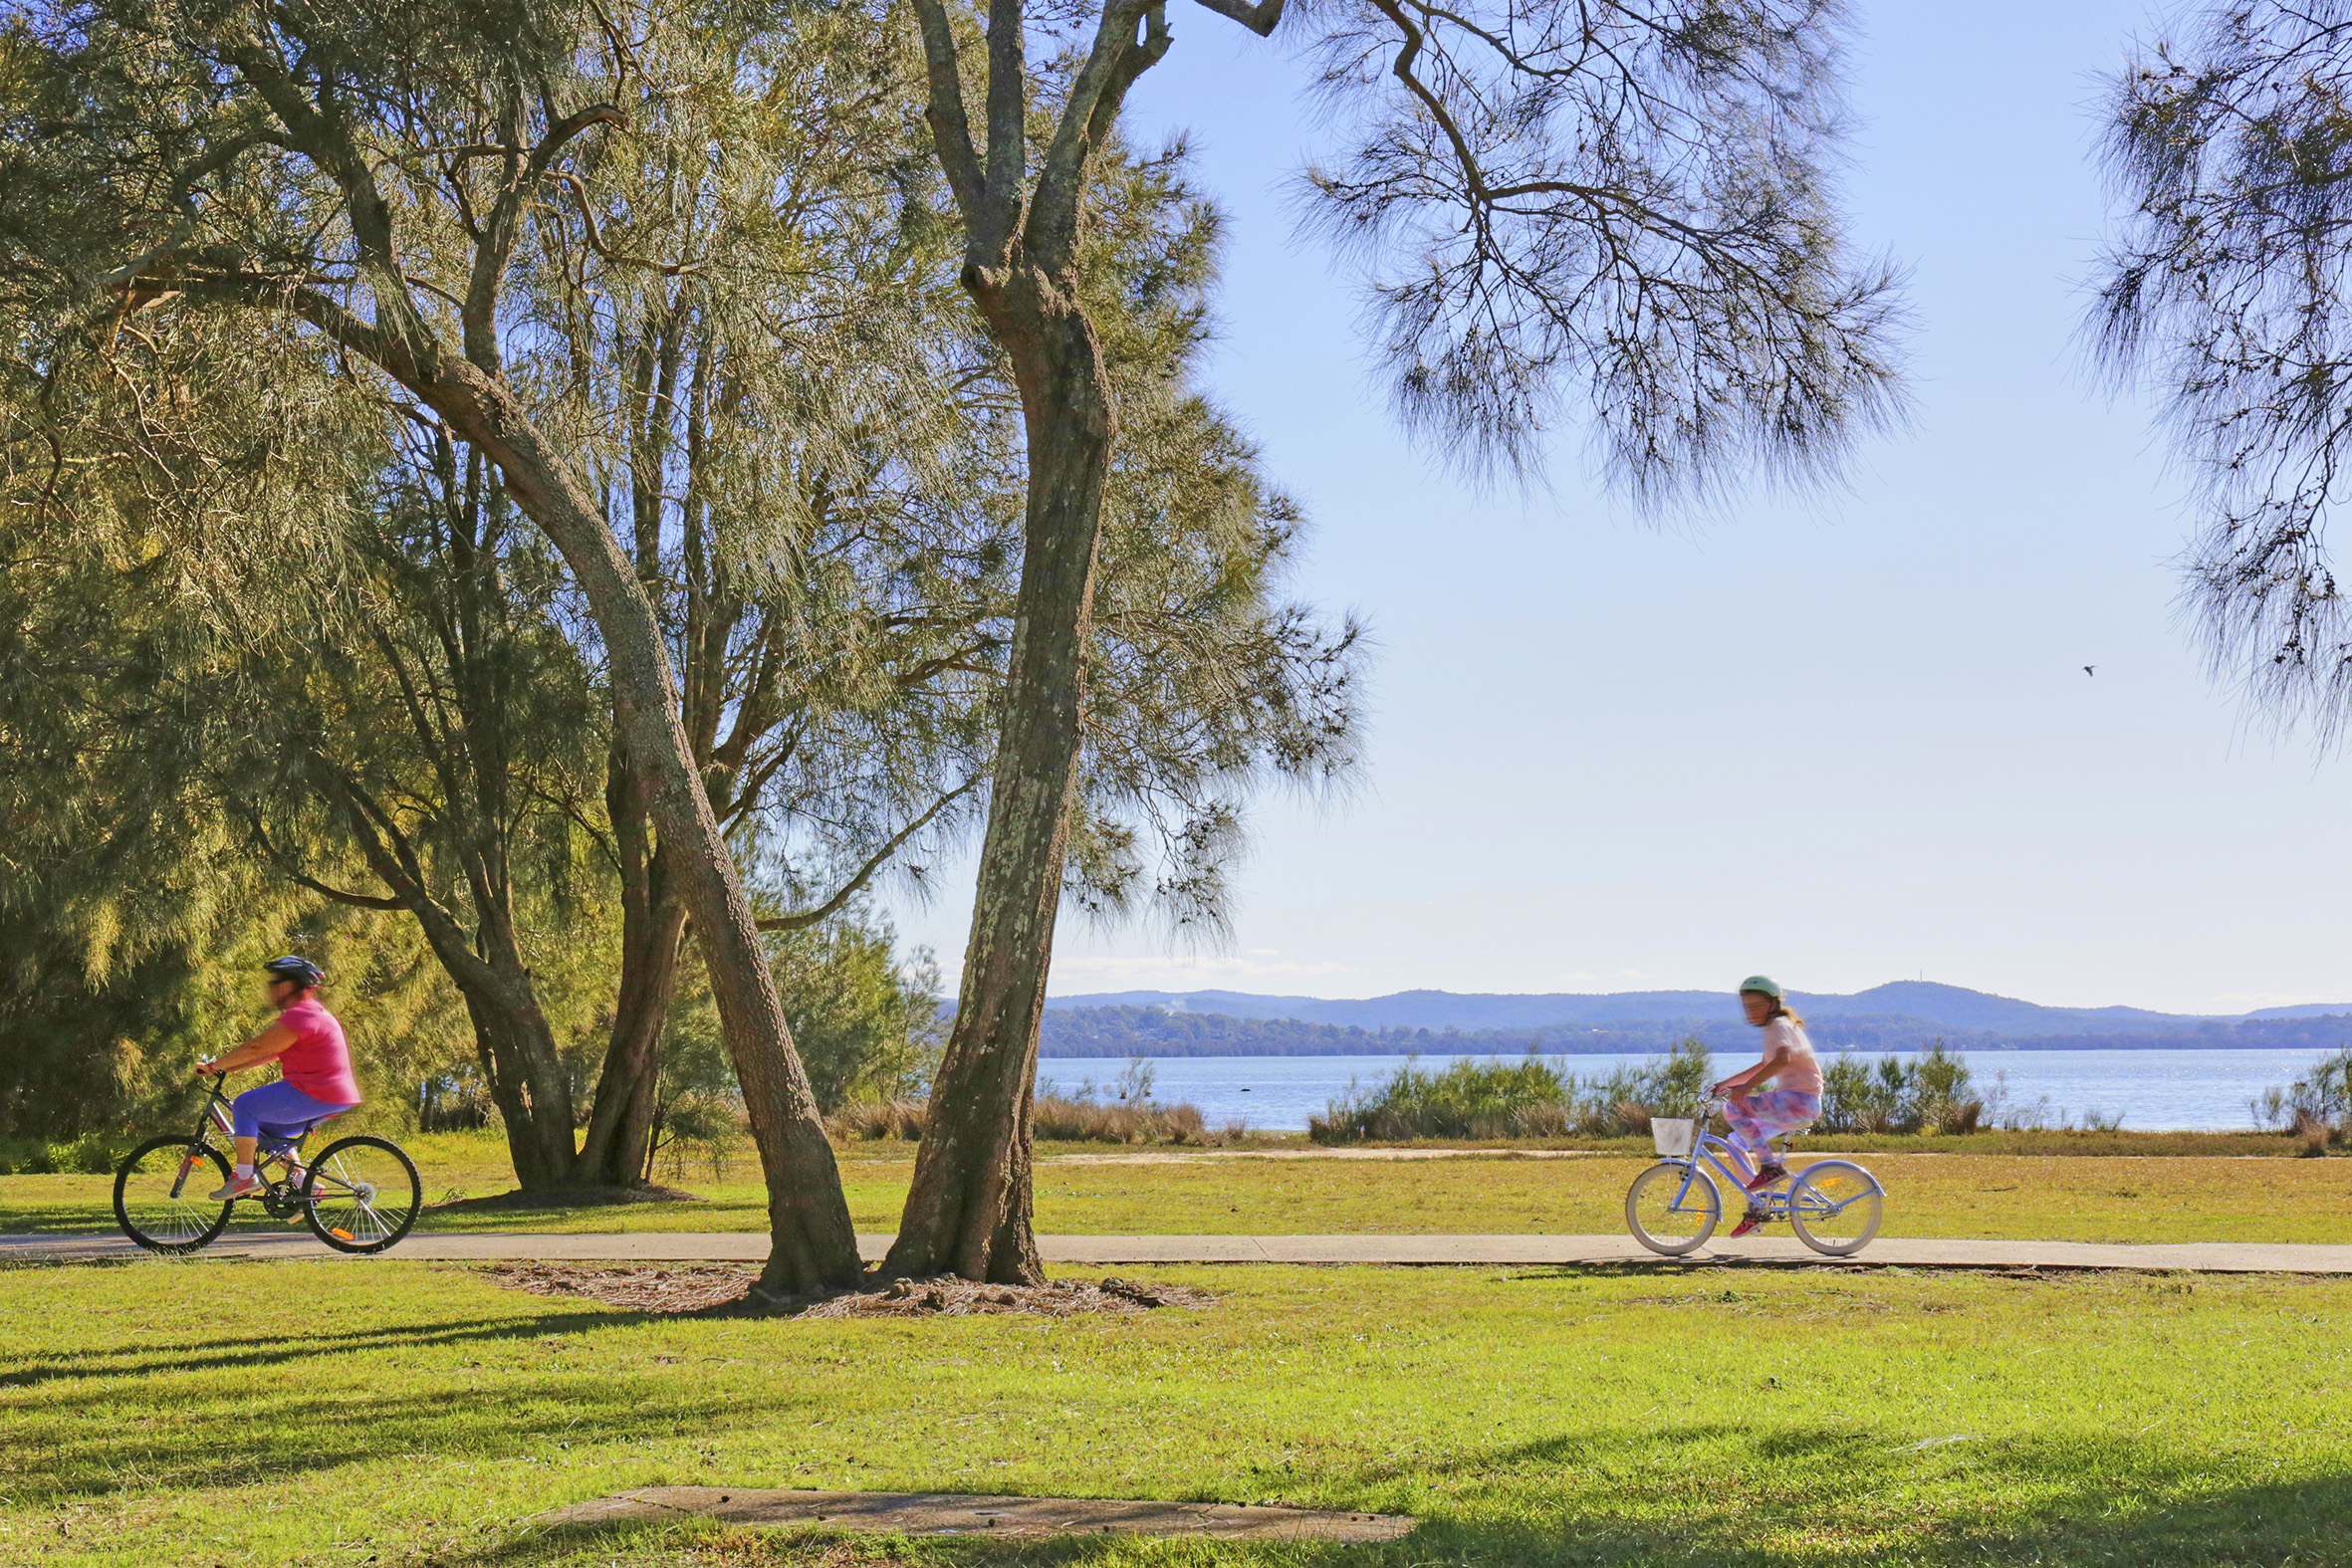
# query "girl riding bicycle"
(1795, 1097)
(308, 1045)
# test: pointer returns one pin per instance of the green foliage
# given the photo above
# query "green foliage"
(1206, 683)
(265, 618)
(1929, 1094)
(867, 1023)
(1530, 1098)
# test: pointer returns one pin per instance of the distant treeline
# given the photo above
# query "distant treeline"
(1156, 1031)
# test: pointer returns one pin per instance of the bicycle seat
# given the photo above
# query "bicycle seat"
(280, 1143)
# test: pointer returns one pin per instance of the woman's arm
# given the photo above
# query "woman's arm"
(270, 1044)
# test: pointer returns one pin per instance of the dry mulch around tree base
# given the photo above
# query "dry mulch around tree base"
(727, 1289)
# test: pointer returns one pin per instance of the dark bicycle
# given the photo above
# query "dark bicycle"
(360, 1195)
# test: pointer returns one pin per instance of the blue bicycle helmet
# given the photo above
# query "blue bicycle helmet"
(297, 969)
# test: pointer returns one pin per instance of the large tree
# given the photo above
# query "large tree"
(811, 451)
(368, 173)
(433, 723)
(1621, 214)
(2228, 293)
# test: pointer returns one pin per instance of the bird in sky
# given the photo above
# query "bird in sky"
(2090, 669)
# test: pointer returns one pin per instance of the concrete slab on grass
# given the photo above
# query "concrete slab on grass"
(1012, 1518)
(750, 1246)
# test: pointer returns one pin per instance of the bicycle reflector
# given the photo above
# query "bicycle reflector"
(339, 1230)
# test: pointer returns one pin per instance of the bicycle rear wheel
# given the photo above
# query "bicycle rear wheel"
(1834, 1206)
(1673, 1208)
(164, 1194)
(361, 1194)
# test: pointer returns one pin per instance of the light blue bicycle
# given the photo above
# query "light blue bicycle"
(1672, 1208)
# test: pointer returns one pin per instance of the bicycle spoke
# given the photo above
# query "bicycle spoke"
(1834, 1206)
(362, 1195)
(1673, 1208)
(162, 1195)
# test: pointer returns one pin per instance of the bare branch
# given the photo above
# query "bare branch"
(873, 864)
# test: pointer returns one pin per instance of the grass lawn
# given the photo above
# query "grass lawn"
(2087, 1197)
(397, 1415)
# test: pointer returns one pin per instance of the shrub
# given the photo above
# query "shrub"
(1528, 1098)
(1890, 1095)
(2315, 1107)
(92, 1154)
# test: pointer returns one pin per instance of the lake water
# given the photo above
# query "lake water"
(2155, 1090)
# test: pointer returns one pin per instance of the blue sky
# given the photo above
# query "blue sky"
(1843, 742)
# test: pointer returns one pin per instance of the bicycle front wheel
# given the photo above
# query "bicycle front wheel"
(361, 1194)
(1834, 1206)
(164, 1194)
(1673, 1208)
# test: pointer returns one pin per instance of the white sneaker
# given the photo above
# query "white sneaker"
(239, 1187)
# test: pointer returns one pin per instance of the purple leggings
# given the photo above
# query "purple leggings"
(277, 1114)
(1770, 1115)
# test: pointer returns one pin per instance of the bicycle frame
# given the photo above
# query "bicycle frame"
(1704, 1145)
(215, 1117)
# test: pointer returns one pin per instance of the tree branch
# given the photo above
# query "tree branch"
(285, 869)
(1007, 130)
(1112, 65)
(951, 127)
(879, 860)
(1260, 19)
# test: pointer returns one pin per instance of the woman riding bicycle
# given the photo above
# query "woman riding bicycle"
(1795, 1097)
(308, 1045)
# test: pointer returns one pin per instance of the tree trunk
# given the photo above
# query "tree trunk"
(538, 1132)
(512, 1039)
(969, 1210)
(612, 1154)
(813, 1243)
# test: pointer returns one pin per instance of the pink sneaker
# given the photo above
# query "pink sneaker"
(1750, 1221)
(239, 1187)
(1766, 1176)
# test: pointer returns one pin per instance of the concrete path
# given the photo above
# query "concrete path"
(648, 1247)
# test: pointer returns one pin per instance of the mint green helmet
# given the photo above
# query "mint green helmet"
(1763, 984)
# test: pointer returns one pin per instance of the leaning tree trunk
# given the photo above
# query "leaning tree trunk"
(507, 1039)
(811, 1241)
(969, 1211)
(512, 1039)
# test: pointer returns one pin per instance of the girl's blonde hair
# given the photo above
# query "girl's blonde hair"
(1774, 1007)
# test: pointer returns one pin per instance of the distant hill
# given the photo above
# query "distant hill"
(1158, 1031)
(1900, 1016)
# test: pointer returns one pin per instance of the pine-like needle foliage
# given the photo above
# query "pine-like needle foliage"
(1622, 215)
(2230, 151)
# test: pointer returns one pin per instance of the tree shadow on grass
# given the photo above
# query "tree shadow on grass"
(263, 1351)
(1846, 1499)
(69, 1439)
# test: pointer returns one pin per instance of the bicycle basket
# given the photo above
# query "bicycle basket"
(1672, 1135)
